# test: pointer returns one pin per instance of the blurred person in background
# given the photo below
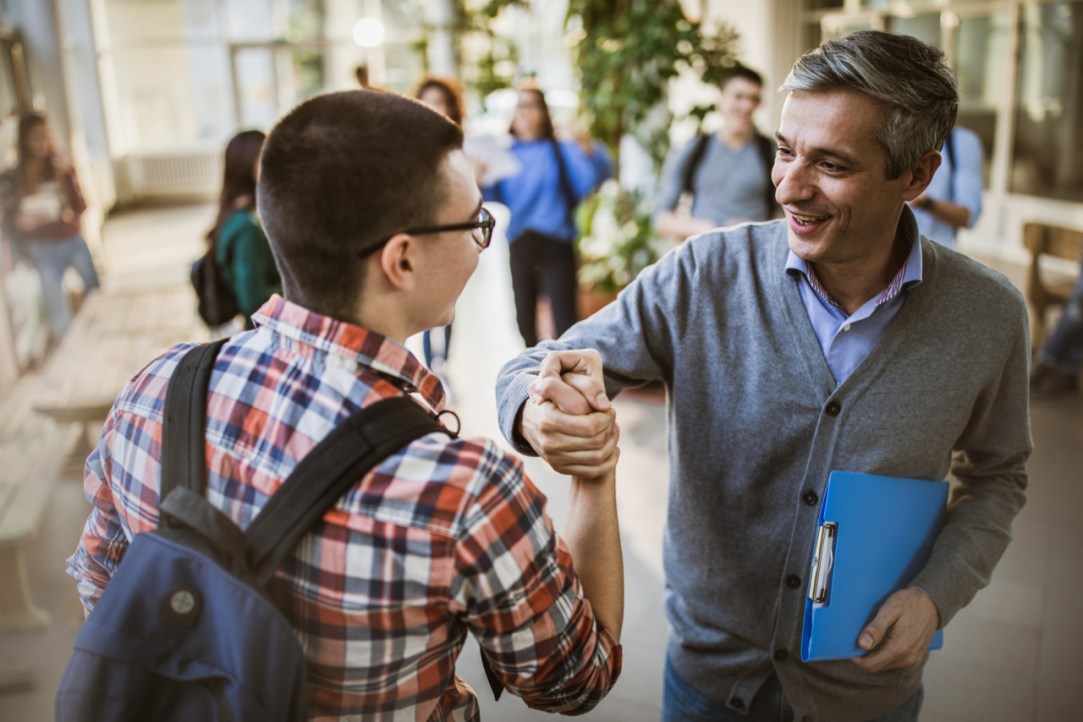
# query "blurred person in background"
(242, 253)
(1057, 372)
(953, 198)
(445, 96)
(728, 173)
(42, 210)
(554, 177)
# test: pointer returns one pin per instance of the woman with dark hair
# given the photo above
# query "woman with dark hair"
(241, 251)
(554, 178)
(445, 96)
(42, 209)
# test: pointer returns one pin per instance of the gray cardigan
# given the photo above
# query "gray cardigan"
(751, 434)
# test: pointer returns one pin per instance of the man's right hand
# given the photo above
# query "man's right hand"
(568, 419)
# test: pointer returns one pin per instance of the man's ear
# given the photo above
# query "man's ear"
(921, 174)
(397, 261)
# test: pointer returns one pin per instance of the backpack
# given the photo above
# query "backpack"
(185, 630)
(217, 303)
(766, 148)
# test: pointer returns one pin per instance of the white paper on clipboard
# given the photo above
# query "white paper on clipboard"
(499, 162)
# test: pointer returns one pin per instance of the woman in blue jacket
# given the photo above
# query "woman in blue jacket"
(542, 198)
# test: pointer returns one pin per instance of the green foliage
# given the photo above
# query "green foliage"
(627, 51)
(620, 243)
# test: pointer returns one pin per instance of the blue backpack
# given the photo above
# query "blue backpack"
(185, 630)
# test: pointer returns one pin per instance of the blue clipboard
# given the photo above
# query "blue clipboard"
(874, 535)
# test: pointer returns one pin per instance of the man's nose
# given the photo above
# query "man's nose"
(793, 182)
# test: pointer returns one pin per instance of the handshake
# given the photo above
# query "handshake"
(568, 420)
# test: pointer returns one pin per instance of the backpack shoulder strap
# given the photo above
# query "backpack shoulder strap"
(566, 189)
(327, 472)
(692, 163)
(184, 423)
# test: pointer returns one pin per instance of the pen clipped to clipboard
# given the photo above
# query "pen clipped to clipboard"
(873, 537)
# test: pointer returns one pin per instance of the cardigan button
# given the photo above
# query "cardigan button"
(833, 409)
(737, 703)
(781, 654)
(810, 498)
(793, 581)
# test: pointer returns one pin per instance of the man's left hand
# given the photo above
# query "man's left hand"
(905, 625)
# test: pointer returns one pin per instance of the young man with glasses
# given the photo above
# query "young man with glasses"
(376, 223)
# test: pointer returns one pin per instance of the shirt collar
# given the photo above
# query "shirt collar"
(350, 344)
(909, 275)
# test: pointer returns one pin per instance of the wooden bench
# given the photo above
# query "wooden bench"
(111, 339)
(32, 450)
(1044, 292)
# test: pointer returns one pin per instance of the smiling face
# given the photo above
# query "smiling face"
(529, 120)
(738, 101)
(830, 175)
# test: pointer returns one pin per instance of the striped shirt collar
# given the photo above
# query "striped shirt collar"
(350, 345)
(908, 275)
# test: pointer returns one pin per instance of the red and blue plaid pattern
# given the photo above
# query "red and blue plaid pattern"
(446, 538)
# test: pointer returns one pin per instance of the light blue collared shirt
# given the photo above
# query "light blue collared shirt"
(847, 340)
(961, 184)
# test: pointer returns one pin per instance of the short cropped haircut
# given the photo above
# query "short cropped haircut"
(741, 71)
(910, 79)
(340, 173)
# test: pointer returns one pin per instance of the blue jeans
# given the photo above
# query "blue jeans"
(52, 258)
(1064, 349)
(439, 349)
(682, 703)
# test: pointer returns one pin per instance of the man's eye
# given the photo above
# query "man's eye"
(831, 167)
(784, 151)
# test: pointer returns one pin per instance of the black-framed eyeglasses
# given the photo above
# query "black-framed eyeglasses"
(484, 224)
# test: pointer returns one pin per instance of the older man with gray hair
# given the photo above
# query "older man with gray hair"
(836, 339)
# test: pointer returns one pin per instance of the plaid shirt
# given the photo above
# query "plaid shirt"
(443, 538)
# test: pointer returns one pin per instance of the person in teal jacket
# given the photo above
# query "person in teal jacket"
(242, 253)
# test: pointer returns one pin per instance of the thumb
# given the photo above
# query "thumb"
(873, 634)
(581, 368)
(591, 388)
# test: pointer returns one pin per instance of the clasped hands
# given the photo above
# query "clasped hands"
(568, 419)
(570, 423)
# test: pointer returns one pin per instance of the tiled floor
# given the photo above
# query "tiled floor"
(1012, 655)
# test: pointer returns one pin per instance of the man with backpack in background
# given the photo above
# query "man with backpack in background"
(376, 223)
(953, 198)
(727, 173)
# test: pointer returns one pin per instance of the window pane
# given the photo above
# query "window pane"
(250, 20)
(925, 28)
(839, 26)
(980, 59)
(1048, 145)
(138, 21)
(155, 92)
(257, 92)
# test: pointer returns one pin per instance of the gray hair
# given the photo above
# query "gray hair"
(909, 78)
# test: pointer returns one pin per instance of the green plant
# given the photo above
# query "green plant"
(627, 51)
(620, 242)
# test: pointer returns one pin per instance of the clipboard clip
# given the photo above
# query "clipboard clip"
(822, 561)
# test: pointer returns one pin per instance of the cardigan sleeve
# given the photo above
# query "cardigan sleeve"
(990, 467)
